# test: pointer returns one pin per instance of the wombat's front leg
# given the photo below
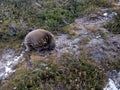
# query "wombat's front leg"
(27, 56)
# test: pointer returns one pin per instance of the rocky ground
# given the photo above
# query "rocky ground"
(89, 33)
(96, 40)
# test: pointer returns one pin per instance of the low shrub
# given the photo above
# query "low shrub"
(70, 73)
(114, 25)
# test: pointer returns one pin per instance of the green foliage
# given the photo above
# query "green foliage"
(51, 15)
(103, 35)
(13, 41)
(109, 64)
(114, 26)
(56, 14)
(71, 73)
(100, 3)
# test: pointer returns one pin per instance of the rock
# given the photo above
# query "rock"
(93, 17)
(6, 14)
(1, 21)
(105, 14)
(2, 69)
(7, 62)
(12, 28)
(110, 85)
(94, 42)
(11, 33)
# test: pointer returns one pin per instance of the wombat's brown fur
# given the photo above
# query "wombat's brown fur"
(39, 40)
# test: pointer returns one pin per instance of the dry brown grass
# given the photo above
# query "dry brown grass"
(91, 28)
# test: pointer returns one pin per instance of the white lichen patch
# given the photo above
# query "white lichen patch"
(110, 85)
(7, 62)
(65, 45)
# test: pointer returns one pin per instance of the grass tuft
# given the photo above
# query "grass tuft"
(114, 26)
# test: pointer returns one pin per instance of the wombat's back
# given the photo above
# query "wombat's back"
(39, 39)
